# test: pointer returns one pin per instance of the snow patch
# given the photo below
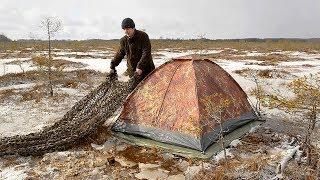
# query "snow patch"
(14, 173)
(235, 143)
(220, 155)
(18, 86)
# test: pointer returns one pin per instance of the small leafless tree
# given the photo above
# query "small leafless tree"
(50, 26)
(214, 110)
(218, 119)
(19, 63)
(258, 93)
(201, 45)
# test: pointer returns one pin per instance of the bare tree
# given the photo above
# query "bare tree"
(201, 45)
(214, 110)
(258, 93)
(19, 63)
(51, 26)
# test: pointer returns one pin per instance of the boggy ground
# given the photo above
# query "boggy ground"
(26, 107)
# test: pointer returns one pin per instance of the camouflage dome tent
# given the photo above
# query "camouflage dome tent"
(185, 102)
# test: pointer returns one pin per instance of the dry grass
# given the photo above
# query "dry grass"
(5, 94)
(256, 165)
(17, 78)
(72, 79)
(265, 73)
(308, 65)
(266, 60)
(66, 79)
(236, 168)
(244, 72)
(17, 62)
(70, 84)
(83, 56)
(58, 64)
(276, 58)
(140, 155)
(150, 155)
(5, 55)
(36, 93)
(61, 63)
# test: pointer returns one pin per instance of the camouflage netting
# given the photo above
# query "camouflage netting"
(81, 121)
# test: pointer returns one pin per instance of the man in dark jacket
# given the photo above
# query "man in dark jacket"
(136, 45)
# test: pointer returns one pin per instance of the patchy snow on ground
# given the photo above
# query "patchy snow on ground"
(18, 86)
(14, 173)
(222, 155)
(6, 66)
(235, 143)
(30, 116)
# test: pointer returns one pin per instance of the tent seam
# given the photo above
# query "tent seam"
(165, 94)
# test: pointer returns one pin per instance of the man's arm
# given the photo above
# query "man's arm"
(119, 55)
(146, 51)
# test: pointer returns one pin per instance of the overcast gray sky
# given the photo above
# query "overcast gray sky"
(217, 19)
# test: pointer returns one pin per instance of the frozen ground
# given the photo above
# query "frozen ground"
(104, 162)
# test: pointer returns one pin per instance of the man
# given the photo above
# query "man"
(136, 45)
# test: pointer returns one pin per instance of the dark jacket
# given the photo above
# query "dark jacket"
(138, 51)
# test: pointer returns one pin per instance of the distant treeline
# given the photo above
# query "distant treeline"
(4, 38)
(253, 44)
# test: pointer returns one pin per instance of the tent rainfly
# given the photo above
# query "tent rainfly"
(187, 102)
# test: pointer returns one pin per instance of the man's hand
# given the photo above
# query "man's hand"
(138, 72)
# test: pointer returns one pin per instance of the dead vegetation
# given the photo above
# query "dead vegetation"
(4, 94)
(35, 93)
(256, 158)
(19, 78)
(78, 56)
(58, 64)
(139, 154)
(16, 54)
(265, 60)
(304, 105)
(308, 65)
(264, 73)
(69, 78)
(236, 168)
(77, 79)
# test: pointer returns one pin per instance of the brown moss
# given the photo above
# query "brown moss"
(36, 93)
(70, 84)
(4, 94)
(308, 65)
(243, 72)
(171, 166)
(133, 153)
(266, 73)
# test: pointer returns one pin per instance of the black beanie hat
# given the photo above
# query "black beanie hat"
(127, 23)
